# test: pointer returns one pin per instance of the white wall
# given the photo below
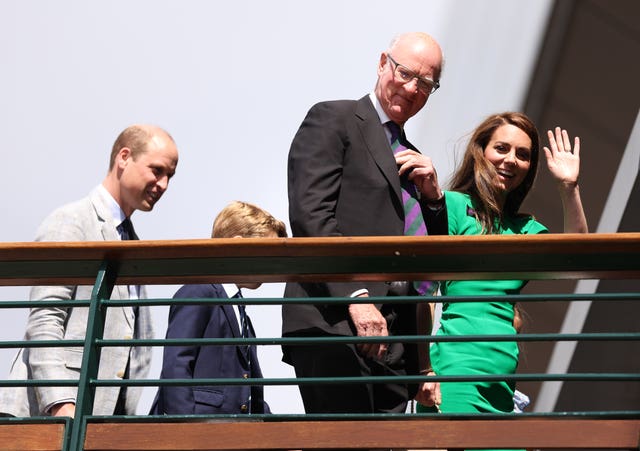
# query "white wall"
(231, 81)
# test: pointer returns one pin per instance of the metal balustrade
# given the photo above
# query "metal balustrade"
(103, 264)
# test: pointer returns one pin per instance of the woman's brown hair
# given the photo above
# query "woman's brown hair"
(477, 177)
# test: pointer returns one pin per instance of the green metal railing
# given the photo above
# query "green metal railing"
(203, 264)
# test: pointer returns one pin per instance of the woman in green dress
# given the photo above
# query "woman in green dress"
(487, 190)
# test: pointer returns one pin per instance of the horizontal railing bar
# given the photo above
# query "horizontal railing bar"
(42, 344)
(378, 299)
(158, 342)
(323, 300)
(45, 303)
(598, 377)
(35, 420)
(594, 336)
(39, 383)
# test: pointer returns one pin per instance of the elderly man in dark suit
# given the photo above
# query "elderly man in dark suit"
(345, 180)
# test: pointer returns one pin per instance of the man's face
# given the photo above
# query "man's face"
(401, 100)
(145, 178)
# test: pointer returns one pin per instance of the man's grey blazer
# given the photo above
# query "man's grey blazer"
(88, 219)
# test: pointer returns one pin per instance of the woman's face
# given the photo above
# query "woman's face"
(509, 150)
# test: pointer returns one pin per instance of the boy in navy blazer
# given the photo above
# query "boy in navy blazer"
(238, 219)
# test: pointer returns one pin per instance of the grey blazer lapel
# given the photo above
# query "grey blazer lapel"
(103, 213)
(108, 228)
(376, 143)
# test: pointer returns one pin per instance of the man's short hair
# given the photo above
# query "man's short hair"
(136, 138)
(246, 220)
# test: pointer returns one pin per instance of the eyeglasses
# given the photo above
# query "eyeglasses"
(402, 74)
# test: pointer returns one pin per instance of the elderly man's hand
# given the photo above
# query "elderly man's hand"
(421, 172)
(369, 322)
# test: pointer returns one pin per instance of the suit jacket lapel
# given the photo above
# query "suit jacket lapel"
(107, 222)
(235, 329)
(232, 319)
(376, 142)
(110, 233)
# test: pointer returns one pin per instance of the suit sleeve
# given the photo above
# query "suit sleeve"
(185, 321)
(49, 323)
(315, 172)
(436, 219)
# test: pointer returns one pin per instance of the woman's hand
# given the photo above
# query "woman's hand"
(562, 160)
(564, 165)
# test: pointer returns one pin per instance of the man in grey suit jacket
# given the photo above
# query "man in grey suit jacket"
(344, 180)
(143, 159)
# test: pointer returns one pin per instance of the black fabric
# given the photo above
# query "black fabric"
(310, 361)
(126, 231)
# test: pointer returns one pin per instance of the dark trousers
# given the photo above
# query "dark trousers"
(340, 360)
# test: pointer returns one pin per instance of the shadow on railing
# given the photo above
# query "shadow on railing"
(337, 259)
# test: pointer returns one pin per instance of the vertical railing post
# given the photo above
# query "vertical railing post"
(91, 354)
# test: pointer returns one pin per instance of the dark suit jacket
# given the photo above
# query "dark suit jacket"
(343, 181)
(191, 362)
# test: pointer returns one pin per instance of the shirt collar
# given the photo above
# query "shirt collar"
(230, 288)
(376, 104)
(381, 114)
(116, 212)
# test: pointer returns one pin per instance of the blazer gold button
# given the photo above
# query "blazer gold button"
(245, 375)
(243, 408)
(120, 374)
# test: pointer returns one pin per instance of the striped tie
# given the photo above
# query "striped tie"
(413, 221)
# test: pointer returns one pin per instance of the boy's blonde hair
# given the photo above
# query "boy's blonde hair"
(246, 220)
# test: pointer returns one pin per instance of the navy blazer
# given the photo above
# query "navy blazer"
(191, 362)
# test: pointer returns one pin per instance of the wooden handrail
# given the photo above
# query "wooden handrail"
(567, 433)
(31, 437)
(547, 256)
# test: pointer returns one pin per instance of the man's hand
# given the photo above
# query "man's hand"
(421, 172)
(65, 409)
(429, 393)
(369, 322)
